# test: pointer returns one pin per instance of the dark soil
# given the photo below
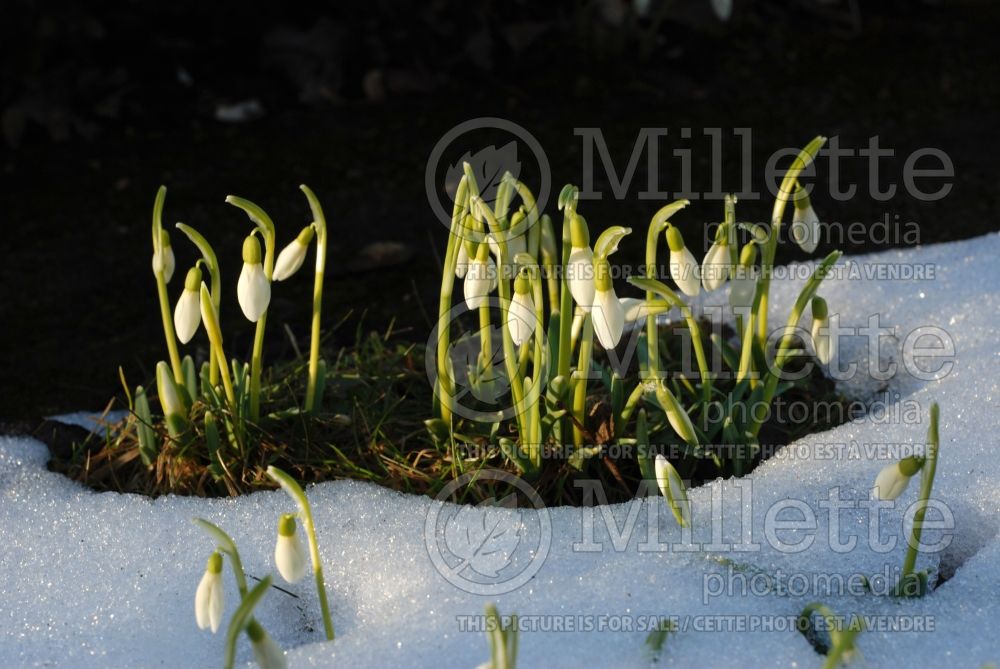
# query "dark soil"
(78, 297)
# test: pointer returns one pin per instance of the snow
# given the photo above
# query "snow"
(108, 580)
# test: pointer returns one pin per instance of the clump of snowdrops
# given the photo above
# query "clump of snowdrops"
(218, 403)
(291, 562)
(556, 299)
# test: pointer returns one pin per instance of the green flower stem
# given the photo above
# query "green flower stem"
(566, 298)
(266, 226)
(580, 378)
(212, 263)
(242, 620)
(295, 491)
(445, 384)
(503, 283)
(540, 372)
(319, 223)
(656, 227)
(802, 160)
(926, 485)
(784, 348)
(161, 289)
(215, 341)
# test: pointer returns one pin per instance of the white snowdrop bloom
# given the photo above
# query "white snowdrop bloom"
(821, 330)
(580, 269)
(462, 262)
(289, 556)
(521, 317)
(634, 308)
(608, 312)
(164, 260)
(187, 313)
(480, 279)
(683, 267)
(744, 280)
(676, 415)
(893, 479)
(265, 651)
(253, 289)
(672, 488)
(805, 222)
(715, 266)
(208, 599)
(292, 256)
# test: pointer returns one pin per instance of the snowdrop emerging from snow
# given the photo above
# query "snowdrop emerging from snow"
(253, 289)
(821, 330)
(292, 256)
(683, 267)
(672, 488)
(289, 556)
(208, 598)
(267, 653)
(891, 482)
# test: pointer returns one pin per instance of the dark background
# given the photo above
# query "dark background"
(101, 102)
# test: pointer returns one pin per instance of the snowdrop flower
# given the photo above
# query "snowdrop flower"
(672, 488)
(163, 261)
(289, 556)
(744, 280)
(208, 599)
(608, 312)
(267, 653)
(515, 245)
(676, 415)
(480, 279)
(821, 329)
(253, 289)
(292, 256)
(462, 262)
(893, 479)
(805, 222)
(580, 269)
(683, 267)
(521, 319)
(715, 266)
(187, 314)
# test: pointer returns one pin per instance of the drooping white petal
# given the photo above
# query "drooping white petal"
(208, 601)
(462, 262)
(521, 318)
(580, 275)
(672, 488)
(684, 271)
(289, 260)
(821, 339)
(290, 557)
(609, 318)
(805, 228)
(479, 281)
(715, 268)
(890, 482)
(253, 291)
(267, 653)
(634, 308)
(187, 315)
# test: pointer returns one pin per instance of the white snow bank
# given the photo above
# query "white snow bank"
(108, 580)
